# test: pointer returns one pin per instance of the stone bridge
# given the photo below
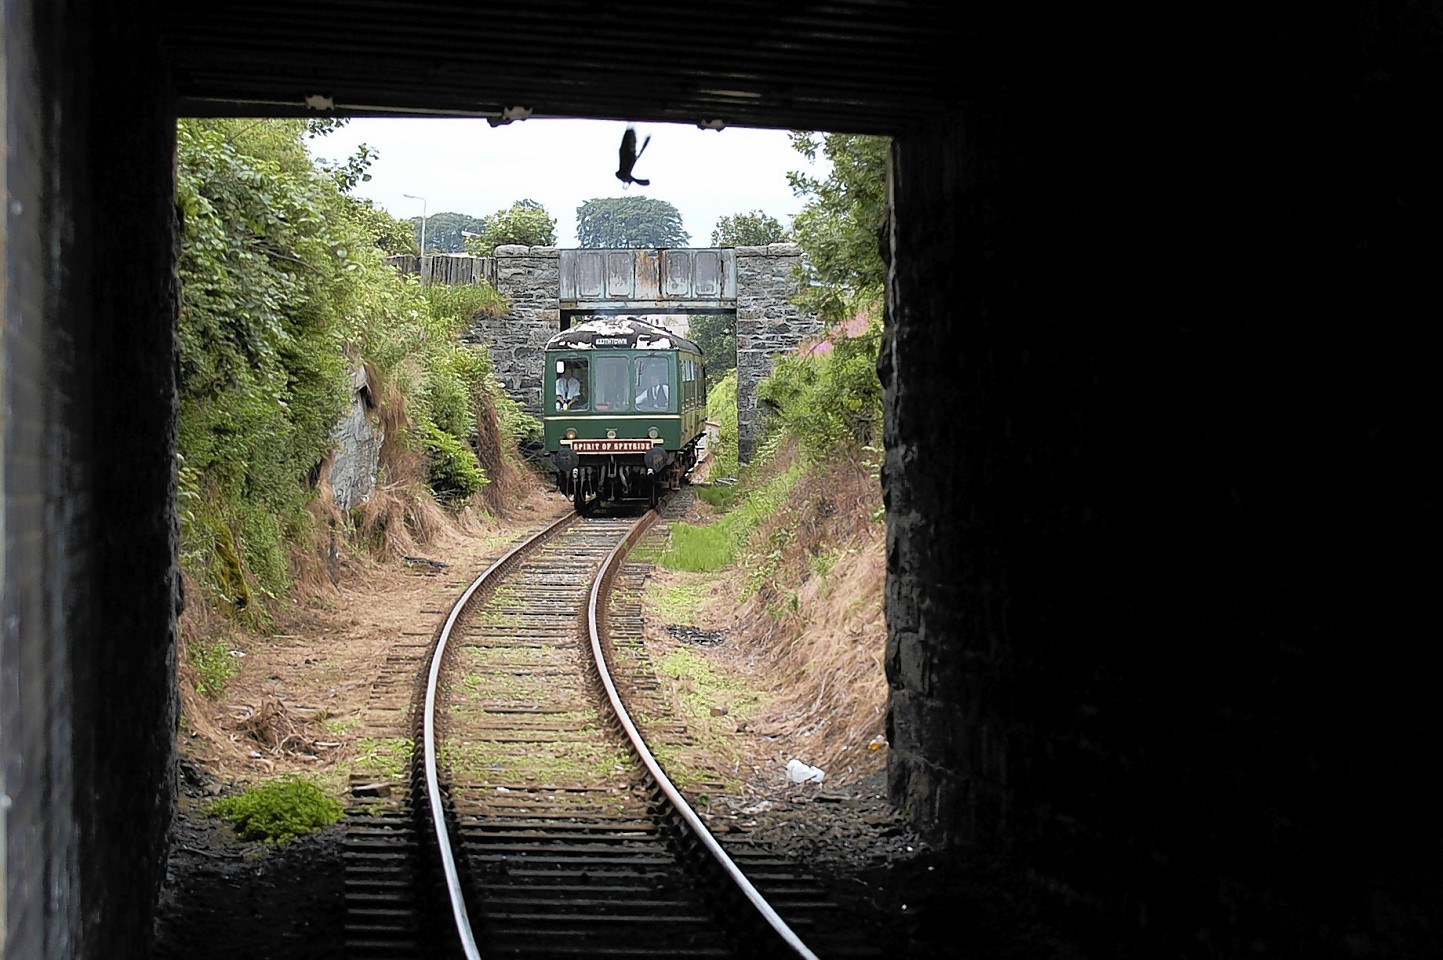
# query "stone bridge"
(551, 288)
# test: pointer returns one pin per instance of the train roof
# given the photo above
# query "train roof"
(628, 333)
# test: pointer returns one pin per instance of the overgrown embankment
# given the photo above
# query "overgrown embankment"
(787, 564)
(284, 298)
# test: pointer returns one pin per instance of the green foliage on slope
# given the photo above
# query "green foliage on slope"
(829, 396)
(284, 291)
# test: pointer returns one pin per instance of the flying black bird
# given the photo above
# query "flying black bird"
(629, 156)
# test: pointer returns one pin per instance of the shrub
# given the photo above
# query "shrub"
(452, 471)
(721, 409)
(279, 811)
(213, 666)
(829, 398)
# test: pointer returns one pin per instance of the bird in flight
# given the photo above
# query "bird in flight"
(629, 156)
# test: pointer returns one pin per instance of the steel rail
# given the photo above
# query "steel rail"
(663, 782)
(433, 790)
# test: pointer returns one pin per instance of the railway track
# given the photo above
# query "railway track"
(536, 821)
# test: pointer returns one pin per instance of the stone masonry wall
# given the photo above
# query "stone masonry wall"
(531, 278)
(357, 447)
(768, 323)
(1157, 527)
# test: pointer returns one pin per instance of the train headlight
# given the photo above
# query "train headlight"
(651, 432)
(611, 434)
(571, 433)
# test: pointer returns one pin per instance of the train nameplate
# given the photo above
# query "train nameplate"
(611, 446)
(609, 341)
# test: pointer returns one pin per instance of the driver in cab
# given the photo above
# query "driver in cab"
(652, 394)
(568, 391)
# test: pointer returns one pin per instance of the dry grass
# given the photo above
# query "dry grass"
(304, 665)
(812, 637)
(825, 649)
(508, 479)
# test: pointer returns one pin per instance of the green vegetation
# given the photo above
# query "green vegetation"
(721, 409)
(285, 292)
(386, 756)
(452, 472)
(445, 231)
(680, 602)
(568, 763)
(707, 686)
(754, 229)
(699, 687)
(279, 810)
(525, 222)
(714, 546)
(838, 229)
(830, 397)
(827, 397)
(677, 603)
(715, 334)
(213, 666)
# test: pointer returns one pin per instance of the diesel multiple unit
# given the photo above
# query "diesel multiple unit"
(624, 409)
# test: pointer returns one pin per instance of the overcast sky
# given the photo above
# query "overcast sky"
(467, 166)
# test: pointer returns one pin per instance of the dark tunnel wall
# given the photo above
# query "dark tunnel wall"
(1161, 518)
(90, 576)
(1160, 534)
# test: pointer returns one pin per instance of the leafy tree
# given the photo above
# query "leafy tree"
(715, 333)
(525, 222)
(392, 235)
(324, 126)
(754, 229)
(839, 227)
(355, 168)
(629, 223)
(443, 231)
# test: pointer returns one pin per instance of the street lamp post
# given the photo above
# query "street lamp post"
(425, 279)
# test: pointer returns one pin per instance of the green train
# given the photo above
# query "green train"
(625, 409)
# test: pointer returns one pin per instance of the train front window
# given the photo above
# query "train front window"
(573, 379)
(611, 378)
(652, 390)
